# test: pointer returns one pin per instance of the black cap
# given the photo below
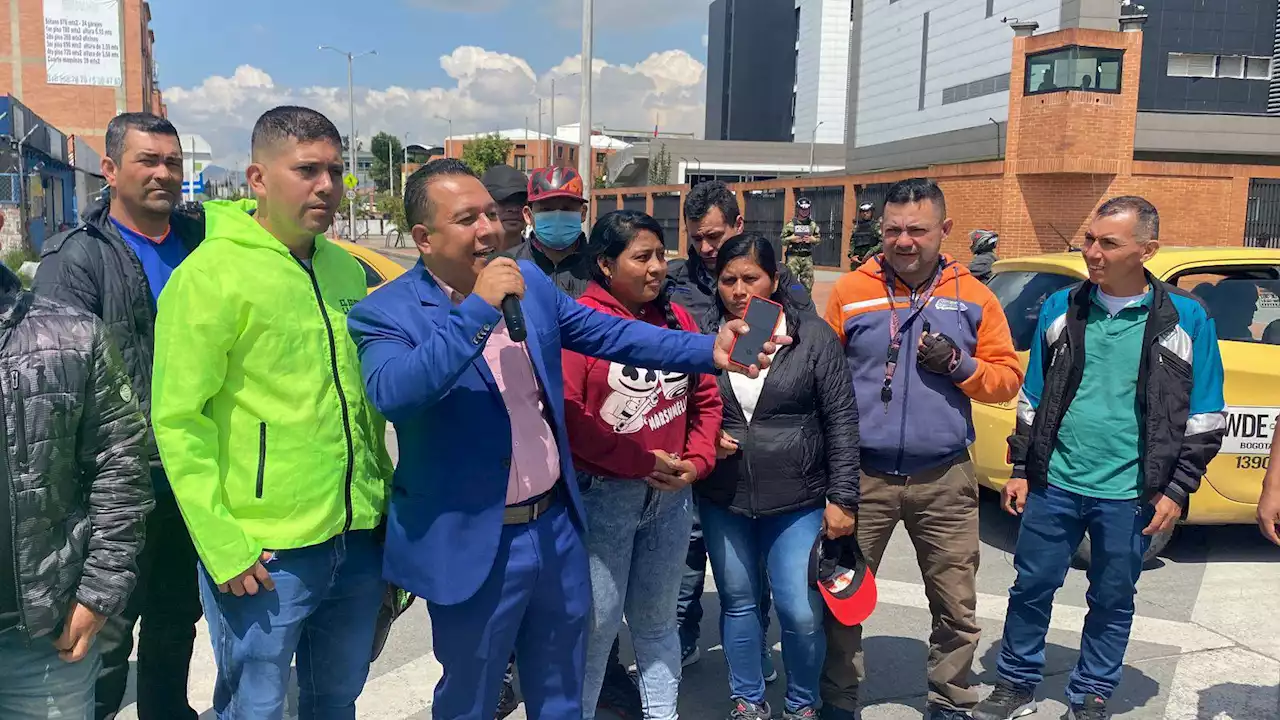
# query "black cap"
(505, 182)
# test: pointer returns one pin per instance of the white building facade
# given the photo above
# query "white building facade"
(822, 69)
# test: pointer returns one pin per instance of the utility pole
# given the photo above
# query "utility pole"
(351, 106)
(584, 127)
(812, 142)
(541, 138)
(446, 140)
(553, 122)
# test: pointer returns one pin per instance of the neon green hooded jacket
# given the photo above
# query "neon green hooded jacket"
(258, 403)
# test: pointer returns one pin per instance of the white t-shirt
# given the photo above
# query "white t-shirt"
(1115, 304)
(747, 390)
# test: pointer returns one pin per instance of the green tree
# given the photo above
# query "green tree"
(660, 166)
(483, 153)
(391, 205)
(379, 147)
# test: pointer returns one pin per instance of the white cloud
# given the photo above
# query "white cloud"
(491, 91)
(706, 40)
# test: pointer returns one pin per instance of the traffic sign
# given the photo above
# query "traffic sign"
(350, 181)
(351, 194)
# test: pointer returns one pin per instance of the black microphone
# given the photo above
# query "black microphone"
(511, 311)
(514, 315)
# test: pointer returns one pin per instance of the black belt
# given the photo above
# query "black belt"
(797, 252)
(531, 509)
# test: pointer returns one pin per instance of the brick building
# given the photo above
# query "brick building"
(79, 105)
(531, 149)
(1068, 148)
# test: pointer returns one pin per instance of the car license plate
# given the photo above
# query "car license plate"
(1249, 430)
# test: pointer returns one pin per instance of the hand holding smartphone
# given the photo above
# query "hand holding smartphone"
(762, 318)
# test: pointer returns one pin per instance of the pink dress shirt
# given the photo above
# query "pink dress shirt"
(535, 458)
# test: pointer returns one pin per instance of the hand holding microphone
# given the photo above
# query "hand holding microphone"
(502, 286)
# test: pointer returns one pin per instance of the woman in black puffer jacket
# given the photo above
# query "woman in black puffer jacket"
(788, 469)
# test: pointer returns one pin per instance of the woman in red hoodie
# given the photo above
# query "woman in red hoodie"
(639, 438)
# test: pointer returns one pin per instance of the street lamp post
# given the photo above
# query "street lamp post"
(351, 106)
(446, 140)
(812, 142)
(584, 123)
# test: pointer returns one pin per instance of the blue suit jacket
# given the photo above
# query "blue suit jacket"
(424, 371)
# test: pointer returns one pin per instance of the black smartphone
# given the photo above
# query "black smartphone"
(762, 320)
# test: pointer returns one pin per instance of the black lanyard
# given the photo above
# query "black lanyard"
(919, 301)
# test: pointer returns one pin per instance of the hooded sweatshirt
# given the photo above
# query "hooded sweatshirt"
(258, 403)
(617, 414)
(928, 421)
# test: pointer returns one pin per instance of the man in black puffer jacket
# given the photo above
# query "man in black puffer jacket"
(114, 265)
(74, 493)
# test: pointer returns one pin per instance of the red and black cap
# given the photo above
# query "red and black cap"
(839, 570)
(554, 182)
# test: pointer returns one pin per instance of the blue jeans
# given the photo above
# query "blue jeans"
(636, 540)
(736, 544)
(689, 606)
(1053, 524)
(35, 684)
(323, 610)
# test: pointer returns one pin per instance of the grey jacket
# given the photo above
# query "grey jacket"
(74, 462)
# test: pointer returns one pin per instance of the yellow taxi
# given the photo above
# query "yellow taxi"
(1241, 288)
(378, 268)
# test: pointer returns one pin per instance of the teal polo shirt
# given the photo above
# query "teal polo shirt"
(1096, 451)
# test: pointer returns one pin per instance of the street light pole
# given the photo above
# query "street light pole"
(584, 122)
(553, 122)
(351, 107)
(446, 140)
(812, 142)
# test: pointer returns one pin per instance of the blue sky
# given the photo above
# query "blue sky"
(222, 63)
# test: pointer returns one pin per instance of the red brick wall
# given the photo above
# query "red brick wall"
(74, 110)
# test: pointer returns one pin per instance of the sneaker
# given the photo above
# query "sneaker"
(507, 702)
(1005, 703)
(1093, 708)
(804, 713)
(935, 712)
(766, 664)
(746, 710)
(620, 696)
(690, 655)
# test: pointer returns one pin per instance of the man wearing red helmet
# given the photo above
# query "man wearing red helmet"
(556, 209)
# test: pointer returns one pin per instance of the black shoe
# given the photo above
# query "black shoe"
(689, 655)
(934, 712)
(507, 702)
(804, 713)
(746, 710)
(1094, 708)
(831, 712)
(1005, 703)
(619, 695)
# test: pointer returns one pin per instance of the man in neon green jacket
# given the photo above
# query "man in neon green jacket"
(275, 455)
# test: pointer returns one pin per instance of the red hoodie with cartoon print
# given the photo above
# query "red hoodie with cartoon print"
(617, 414)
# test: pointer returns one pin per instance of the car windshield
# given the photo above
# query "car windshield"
(1021, 293)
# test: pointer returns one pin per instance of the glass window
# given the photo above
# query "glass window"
(1021, 293)
(1230, 66)
(371, 277)
(1258, 68)
(1075, 68)
(1244, 302)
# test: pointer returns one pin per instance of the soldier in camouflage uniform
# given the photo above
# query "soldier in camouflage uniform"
(798, 238)
(867, 239)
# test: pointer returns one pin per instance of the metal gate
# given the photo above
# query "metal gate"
(874, 194)
(666, 210)
(634, 202)
(828, 211)
(765, 215)
(1262, 218)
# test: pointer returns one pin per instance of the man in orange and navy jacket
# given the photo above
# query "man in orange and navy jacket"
(917, 361)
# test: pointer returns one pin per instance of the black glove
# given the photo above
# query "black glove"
(939, 354)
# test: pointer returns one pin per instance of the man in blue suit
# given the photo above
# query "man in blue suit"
(485, 520)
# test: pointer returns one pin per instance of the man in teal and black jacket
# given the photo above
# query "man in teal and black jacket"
(1121, 412)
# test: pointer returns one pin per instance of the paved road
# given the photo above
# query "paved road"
(1206, 639)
